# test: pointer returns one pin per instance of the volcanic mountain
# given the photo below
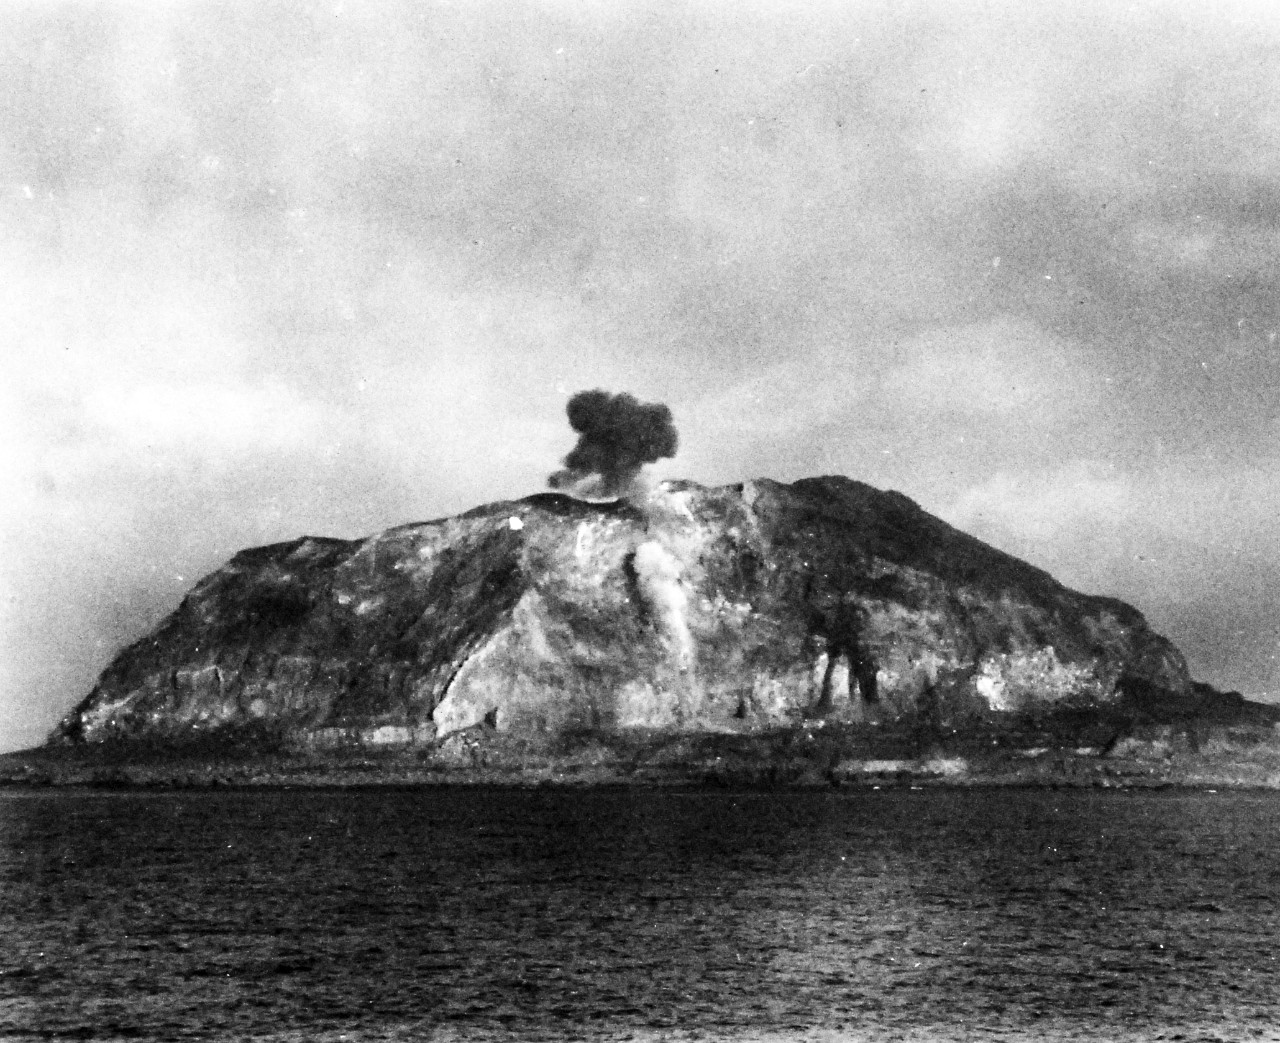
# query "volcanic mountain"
(739, 609)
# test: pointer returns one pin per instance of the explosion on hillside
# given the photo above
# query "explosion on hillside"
(658, 576)
(617, 436)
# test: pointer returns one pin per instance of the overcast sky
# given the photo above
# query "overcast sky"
(281, 269)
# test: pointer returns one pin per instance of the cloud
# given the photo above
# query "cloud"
(228, 418)
(1177, 510)
(928, 413)
(1004, 367)
(1041, 508)
(1201, 246)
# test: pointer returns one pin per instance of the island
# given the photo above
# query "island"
(818, 633)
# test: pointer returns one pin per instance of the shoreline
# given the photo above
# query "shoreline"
(8, 786)
(1236, 758)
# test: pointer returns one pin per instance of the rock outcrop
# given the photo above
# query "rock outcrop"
(733, 609)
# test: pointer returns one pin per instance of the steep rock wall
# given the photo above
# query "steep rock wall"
(727, 609)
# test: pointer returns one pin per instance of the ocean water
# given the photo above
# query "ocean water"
(488, 914)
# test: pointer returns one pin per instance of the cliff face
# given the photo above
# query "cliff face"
(730, 609)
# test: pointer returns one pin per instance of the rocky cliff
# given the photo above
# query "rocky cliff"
(730, 610)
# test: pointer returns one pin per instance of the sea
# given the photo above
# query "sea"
(639, 914)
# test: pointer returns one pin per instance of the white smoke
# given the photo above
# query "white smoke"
(635, 488)
(658, 576)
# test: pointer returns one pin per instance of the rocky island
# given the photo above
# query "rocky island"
(818, 633)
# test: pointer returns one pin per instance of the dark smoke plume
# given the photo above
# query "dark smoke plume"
(617, 436)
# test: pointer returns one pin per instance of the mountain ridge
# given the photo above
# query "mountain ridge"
(758, 585)
(822, 632)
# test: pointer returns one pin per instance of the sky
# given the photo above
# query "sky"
(269, 270)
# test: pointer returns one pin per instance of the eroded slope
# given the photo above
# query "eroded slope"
(729, 609)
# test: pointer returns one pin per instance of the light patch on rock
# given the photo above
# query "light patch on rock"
(582, 544)
(527, 621)
(368, 605)
(1142, 749)
(202, 681)
(680, 501)
(454, 713)
(101, 717)
(514, 523)
(397, 735)
(658, 576)
(946, 767)
(326, 738)
(774, 698)
(991, 687)
(640, 705)
(840, 680)
(662, 500)
(1019, 680)
(467, 702)
(876, 767)
(820, 670)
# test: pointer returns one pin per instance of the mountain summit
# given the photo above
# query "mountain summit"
(742, 608)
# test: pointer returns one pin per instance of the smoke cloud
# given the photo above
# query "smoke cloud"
(658, 577)
(617, 436)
